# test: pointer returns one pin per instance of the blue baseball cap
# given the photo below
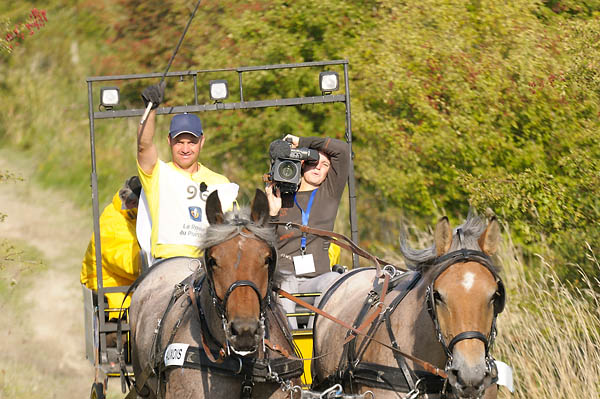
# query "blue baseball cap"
(185, 123)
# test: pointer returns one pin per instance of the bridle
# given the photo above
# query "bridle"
(446, 261)
(221, 304)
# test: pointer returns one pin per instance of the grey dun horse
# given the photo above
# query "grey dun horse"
(442, 311)
(208, 332)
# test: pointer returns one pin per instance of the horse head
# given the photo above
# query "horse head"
(464, 297)
(240, 262)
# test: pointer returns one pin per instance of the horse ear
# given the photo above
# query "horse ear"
(260, 208)
(490, 239)
(442, 236)
(214, 213)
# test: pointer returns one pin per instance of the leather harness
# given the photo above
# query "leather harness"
(352, 369)
(251, 368)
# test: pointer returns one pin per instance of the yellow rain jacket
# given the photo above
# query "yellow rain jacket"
(120, 253)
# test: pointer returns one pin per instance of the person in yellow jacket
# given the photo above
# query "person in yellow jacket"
(120, 250)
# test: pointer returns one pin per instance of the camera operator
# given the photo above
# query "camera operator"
(304, 260)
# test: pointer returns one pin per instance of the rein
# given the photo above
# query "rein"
(340, 240)
(426, 365)
(447, 261)
(348, 244)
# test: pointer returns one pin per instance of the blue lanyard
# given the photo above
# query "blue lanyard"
(305, 216)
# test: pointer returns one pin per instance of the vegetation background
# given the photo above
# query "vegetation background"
(493, 105)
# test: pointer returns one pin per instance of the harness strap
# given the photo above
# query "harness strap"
(468, 335)
(282, 324)
(399, 359)
(157, 354)
(258, 369)
(426, 365)
(340, 240)
(123, 372)
(392, 378)
(207, 350)
(376, 298)
(276, 348)
(140, 381)
(355, 358)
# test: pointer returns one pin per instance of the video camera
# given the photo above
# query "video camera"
(286, 165)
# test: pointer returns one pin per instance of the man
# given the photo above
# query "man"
(118, 242)
(304, 261)
(176, 192)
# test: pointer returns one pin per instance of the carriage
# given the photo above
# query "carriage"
(331, 77)
(384, 295)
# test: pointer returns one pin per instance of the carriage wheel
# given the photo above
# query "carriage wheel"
(97, 391)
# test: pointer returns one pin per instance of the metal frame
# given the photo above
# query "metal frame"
(105, 327)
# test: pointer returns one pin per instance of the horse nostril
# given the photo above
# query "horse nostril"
(234, 330)
(243, 328)
(454, 375)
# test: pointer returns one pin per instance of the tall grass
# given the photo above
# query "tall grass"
(550, 331)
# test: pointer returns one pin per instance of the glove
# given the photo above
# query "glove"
(154, 94)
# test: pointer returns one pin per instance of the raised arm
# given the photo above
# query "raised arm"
(338, 152)
(147, 154)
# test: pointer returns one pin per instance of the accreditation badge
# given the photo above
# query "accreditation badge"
(304, 264)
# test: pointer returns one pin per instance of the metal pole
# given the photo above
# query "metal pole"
(241, 89)
(351, 181)
(96, 216)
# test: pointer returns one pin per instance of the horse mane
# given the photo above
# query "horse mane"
(422, 259)
(236, 221)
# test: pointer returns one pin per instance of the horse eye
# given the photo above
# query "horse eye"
(268, 261)
(211, 262)
(437, 297)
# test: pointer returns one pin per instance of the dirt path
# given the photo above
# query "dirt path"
(41, 314)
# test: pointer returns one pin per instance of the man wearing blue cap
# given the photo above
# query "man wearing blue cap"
(176, 191)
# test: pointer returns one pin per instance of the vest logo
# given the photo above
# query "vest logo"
(195, 213)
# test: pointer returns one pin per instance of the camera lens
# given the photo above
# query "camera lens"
(287, 170)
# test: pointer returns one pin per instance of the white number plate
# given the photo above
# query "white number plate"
(175, 354)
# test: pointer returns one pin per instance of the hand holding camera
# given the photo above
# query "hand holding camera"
(293, 140)
(274, 198)
(286, 167)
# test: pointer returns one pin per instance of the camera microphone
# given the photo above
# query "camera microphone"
(279, 149)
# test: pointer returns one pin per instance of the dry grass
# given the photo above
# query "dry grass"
(549, 332)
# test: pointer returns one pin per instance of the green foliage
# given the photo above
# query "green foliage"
(455, 104)
(484, 102)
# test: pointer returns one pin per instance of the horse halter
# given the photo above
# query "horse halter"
(448, 260)
(221, 304)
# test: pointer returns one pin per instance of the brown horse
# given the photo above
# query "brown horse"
(209, 332)
(440, 315)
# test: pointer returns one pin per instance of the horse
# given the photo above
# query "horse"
(435, 323)
(215, 330)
